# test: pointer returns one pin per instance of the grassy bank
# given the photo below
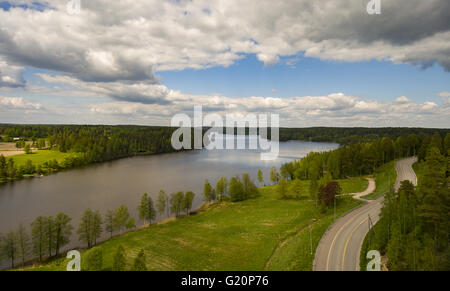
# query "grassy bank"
(258, 234)
(384, 179)
(368, 245)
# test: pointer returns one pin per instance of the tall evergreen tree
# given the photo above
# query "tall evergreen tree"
(139, 262)
(63, 230)
(121, 218)
(10, 247)
(39, 236)
(23, 243)
(221, 187)
(94, 260)
(90, 228)
(119, 259)
(187, 201)
(260, 177)
(208, 191)
(161, 203)
(176, 202)
(109, 222)
(143, 207)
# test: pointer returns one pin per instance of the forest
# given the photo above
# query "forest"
(96, 143)
(414, 230)
(412, 219)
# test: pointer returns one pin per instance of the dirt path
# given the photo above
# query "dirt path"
(340, 247)
(11, 153)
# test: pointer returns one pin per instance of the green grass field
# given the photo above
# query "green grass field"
(40, 157)
(265, 233)
(384, 179)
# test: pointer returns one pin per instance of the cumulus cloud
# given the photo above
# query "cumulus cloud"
(11, 76)
(115, 49)
(158, 100)
(129, 40)
(18, 103)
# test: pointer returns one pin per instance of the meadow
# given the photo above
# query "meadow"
(265, 233)
(40, 157)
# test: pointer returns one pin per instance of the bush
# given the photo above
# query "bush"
(94, 260)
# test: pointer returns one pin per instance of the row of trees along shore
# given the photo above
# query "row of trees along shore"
(98, 143)
(50, 234)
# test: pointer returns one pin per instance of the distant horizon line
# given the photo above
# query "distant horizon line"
(168, 126)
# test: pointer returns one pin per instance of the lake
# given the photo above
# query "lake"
(108, 185)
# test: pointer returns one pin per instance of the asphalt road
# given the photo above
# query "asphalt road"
(340, 246)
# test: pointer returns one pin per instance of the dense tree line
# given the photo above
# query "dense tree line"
(414, 229)
(344, 135)
(362, 158)
(321, 168)
(92, 143)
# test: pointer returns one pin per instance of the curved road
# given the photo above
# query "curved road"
(340, 247)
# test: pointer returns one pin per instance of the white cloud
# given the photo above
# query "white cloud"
(11, 76)
(17, 103)
(128, 40)
(112, 50)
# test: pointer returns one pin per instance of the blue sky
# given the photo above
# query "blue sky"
(377, 80)
(314, 63)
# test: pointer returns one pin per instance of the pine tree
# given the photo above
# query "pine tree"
(131, 224)
(221, 187)
(176, 202)
(39, 237)
(187, 201)
(109, 222)
(151, 212)
(94, 260)
(161, 203)
(274, 176)
(260, 177)
(143, 207)
(10, 246)
(50, 233)
(121, 217)
(207, 191)
(282, 189)
(139, 262)
(63, 230)
(119, 260)
(90, 227)
(23, 243)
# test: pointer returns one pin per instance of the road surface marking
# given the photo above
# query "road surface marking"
(350, 236)
(332, 243)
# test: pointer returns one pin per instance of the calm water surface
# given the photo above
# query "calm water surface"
(109, 185)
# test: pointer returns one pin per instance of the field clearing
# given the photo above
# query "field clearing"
(8, 149)
(8, 146)
(40, 157)
(257, 234)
